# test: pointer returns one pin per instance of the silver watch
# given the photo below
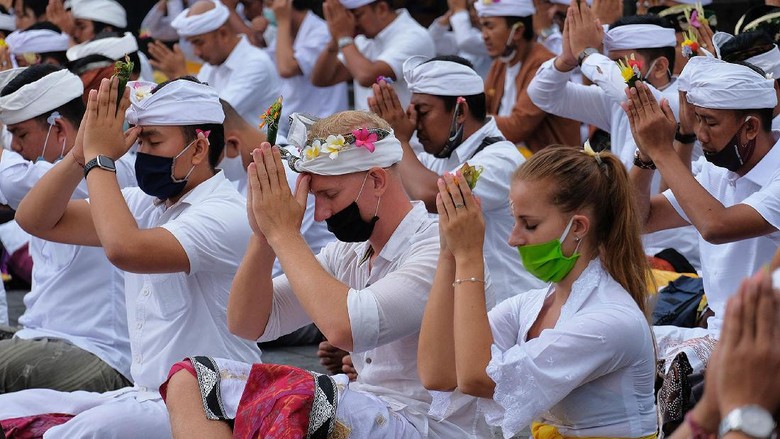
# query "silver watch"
(752, 420)
(345, 41)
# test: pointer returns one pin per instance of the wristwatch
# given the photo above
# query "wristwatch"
(101, 161)
(584, 54)
(684, 138)
(752, 420)
(344, 42)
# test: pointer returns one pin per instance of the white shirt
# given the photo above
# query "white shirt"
(299, 94)
(76, 294)
(554, 41)
(385, 306)
(175, 315)
(247, 80)
(3, 306)
(509, 98)
(401, 39)
(499, 161)
(158, 24)
(591, 375)
(599, 105)
(463, 40)
(725, 265)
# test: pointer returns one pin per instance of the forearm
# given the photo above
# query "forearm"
(419, 181)
(114, 223)
(286, 64)
(361, 68)
(238, 25)
(251, 295)
(322, 297)
(44, 206)
(325, 69)
(436, 349)
(473, 337)
(642, 180)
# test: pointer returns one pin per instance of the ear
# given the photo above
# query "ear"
(661, 67)
(752, 127)
(232, 146)
(464, 110)
(580, 226)
(201, 150)
(378, 177)
(519, 31)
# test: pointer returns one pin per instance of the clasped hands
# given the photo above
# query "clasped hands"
(102, 127)
(653, 126)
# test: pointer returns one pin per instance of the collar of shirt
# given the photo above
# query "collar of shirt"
(196, 194)
(399, 240)
(766, 168)
(466, 150)
(582, 289)
(395, 26)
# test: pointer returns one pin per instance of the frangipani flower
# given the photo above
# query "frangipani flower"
(365, 139)
(141, 91)
(312, 151)
(334, 145)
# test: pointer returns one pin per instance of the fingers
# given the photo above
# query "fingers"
(411, 113)
(302, 186)
(281, 175)
(667, 109)
(749, 311)
(766, 313)
(264, 185)
(92, 104)
(131, 136)
(269, 163)
(454, 191)
(465, 190)
(732, 330)
(254, 186)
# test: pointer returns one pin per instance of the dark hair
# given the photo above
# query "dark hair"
(37, 6)
(72, 111)
(217, 135)
(134, 58)
(650, 54)
(60, 57)
(746, 45)
(528, 25)
(477, 104)
(99, 26)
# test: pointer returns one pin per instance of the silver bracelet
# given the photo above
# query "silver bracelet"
(470, 279)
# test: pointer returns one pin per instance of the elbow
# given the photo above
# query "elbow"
(239, 329)
(475, 386)
(714, 235)
(339, 337)
(437, 380)
(365, 80)
(288, 72)
(318, 79)
(120, 257)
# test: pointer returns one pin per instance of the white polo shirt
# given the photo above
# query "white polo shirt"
(299, 93)
(247, 80)
(175, 315)
(499, 161)
(76, 295)
(725, 265)
(401, 39)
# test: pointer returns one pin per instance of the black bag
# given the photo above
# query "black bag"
(678, 303)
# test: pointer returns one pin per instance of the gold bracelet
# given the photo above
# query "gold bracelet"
(470, 279)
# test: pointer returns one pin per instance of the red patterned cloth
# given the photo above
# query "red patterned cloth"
(32, 427)
(181, 365)
(276, 403)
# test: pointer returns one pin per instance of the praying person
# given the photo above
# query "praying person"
(366, 293)
(41, 43)
(507, 28)
(179, 237)
(93, 17)
(73, 332)
(448, 114)
(572, 359)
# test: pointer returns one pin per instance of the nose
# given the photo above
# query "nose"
(321, 213)
(516, 237)
(16, 146)
(701, 133)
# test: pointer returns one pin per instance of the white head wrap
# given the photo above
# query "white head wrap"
(190, 25)
(110, 47)
(639, 36)
(505, 8)
(354, 4)
(7, 76)
(37, 41)
(441, 78)
(333, 156)
(7, 22)
(104, 11)
(180, 102)
(715, 84)
(768, 61)
(39, 97)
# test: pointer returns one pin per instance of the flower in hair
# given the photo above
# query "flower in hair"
(695, 17)
(689, 46)
(312, 151)
(334, 145)
(205, 133)
(630, 69)
(141, 91)
(587, 149)
(365, 139)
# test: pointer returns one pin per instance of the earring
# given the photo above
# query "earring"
(577, 239)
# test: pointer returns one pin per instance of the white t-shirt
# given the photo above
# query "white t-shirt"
(175, 315)
(725, 265)
(509, 98)
(401, 39)
(247, 80)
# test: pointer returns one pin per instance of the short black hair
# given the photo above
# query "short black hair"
(72, 111)
(38, 6)
(746, 45)
(217, 135)
(477, 103)
(98, 27)
(528, 26)
(134, 57)
(670, 52)
(60, 57)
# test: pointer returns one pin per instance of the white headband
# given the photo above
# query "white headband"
(111, 47)
(190, 25)
(336, 155)
(715, 84)
(179, 103)
(39, 97)
(354, 4)
(505, 8)
(37, 41)
(7, 22)
(441, 78)
(639, 36)
(103, 11)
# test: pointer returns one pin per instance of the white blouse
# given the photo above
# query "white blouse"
(591, 375)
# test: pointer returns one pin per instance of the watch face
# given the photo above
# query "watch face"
(757, 423)
(105, 162)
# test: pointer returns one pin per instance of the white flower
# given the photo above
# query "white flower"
(312, 151)
(334, 145)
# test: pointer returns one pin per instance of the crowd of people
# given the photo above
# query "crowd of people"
(529, 219)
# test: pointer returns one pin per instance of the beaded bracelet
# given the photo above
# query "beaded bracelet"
(470, 279)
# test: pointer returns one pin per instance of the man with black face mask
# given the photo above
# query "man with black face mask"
(448, 114)
(366, 293)
(734, 200)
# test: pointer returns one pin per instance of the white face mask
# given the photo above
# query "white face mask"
(233, 167)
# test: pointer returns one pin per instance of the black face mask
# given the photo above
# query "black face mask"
(456, 133)
(733, 156)
(347, 224)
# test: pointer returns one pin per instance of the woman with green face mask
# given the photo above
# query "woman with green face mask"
(573, 359)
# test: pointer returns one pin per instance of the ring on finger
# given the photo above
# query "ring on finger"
(460, 206)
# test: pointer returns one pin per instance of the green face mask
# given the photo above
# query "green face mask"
(546, 261)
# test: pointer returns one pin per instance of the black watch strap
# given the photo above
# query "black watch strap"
(684, 138)
(102, 162)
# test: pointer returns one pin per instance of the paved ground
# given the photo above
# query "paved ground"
(301, 356)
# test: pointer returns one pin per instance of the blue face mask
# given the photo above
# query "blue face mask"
(155, 174)
(269, 15)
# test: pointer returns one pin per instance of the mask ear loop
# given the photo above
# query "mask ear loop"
(51, 120)
(173, 162)
(566, 233)
(508, 52)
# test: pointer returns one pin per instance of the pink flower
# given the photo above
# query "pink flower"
(365, 139)
(695, 19)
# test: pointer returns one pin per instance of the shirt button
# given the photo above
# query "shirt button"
(139, 325)
(138, 359)
(368, 360)
(147, 292)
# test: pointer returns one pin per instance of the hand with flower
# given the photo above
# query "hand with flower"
(690, 45)
(104, 120)
(701, 30)
(460, 218)
(652, 126)
(630, 70)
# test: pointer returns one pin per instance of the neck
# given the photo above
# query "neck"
(764, 143)
(389, 18)
(563, 287)
(522, 52)
(471, 126)
(393, 209)
(231, 47)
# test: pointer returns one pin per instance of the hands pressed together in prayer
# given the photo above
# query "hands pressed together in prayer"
(171, 62)
(461, 224)
(582, 29)
(652, 126)
(103, 123)
(274, 213)
(341, 22)
(386, 104)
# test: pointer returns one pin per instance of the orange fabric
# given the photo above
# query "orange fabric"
(546, 431)
(528, 123)
(91, 79)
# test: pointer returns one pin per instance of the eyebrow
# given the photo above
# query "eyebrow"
(148, 132)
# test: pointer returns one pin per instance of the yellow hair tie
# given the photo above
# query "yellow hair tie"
(587, 149)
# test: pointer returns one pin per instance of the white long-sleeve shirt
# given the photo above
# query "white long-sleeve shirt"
(463, 40)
